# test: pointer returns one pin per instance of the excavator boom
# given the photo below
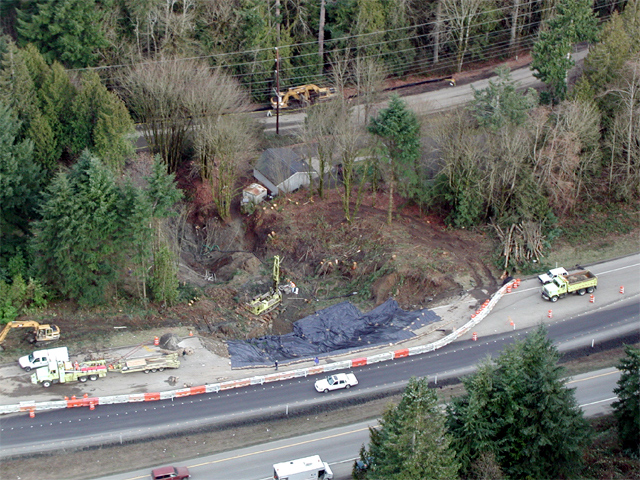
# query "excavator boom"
(39, 333)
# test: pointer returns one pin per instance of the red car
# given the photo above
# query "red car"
(170, 473)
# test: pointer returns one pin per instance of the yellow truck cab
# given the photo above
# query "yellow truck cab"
(579, 282)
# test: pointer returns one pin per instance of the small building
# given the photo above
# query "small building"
(254, 193)
(283, 170)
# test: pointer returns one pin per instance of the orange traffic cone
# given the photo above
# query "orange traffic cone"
(550, 314)
(156, 341)
(622, 289)
(592, 299)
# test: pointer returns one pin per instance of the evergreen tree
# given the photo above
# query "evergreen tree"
(411, 442)
(627, 408)
(101, 123)
(78, 240)
(500, 103)
(573, 22)
(56, 98)
(20, 183)
(398, 130)
(65, 30)
(520, 411)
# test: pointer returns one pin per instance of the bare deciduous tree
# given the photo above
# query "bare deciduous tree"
(566, 151)
(461, 17)
(624, 136)
(223, 148)
(171, 96)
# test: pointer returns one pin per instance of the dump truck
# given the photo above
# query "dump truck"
(38, 334)
(41, 358)
(146, 364)
(68, 372)
(302, 96)
(579, 282)
(308, 468)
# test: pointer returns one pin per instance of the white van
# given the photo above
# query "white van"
(308, 468)
(41, 358)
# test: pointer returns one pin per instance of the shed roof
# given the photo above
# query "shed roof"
(278, 164)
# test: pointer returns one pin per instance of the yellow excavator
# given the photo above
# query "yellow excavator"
(268, 301)
(38, 334)
(302, 96)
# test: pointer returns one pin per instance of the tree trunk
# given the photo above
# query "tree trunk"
(436, 33)
(321, 36)
(390, 210)
(513, 43)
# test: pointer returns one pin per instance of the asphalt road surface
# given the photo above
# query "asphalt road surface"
(128, 421)
(340, 446)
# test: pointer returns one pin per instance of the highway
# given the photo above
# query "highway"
(340, 446)
(129, 421)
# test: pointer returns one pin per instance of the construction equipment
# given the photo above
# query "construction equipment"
(39, 334)
(302, 96)
(67, 372)
(268, 301)
(146, 364)
(61, 371)
(579, 283)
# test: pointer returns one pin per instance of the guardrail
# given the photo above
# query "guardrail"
(91, 402)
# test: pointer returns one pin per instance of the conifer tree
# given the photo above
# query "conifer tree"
(20, 183)
(398, 130)
(64, 30)
(77, 245)
(627, 408)
(101, 123)
(519, 411)
(573, 22)
(411, 442)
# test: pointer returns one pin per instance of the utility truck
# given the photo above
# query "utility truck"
(579, 282)
(308, 468)
(64, 371)
(58, 371)
(41, 358)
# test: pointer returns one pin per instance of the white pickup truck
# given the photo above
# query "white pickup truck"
(551, 274)
(336, 382)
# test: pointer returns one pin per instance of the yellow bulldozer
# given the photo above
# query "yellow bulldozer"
(38, 334)
(302, 96)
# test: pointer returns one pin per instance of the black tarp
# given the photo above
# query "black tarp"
(337, 329)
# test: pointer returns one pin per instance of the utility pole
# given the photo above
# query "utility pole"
(277, 92)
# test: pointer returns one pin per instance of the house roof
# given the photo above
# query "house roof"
(278, 164)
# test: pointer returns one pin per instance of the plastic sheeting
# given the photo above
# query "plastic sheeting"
(337, 329)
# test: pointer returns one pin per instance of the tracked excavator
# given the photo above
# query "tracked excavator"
(302, 96)
(38, 334)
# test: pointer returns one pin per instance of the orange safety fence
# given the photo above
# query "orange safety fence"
(151, 397)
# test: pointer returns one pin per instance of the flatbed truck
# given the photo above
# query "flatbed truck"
(146, 364)
(579, 282)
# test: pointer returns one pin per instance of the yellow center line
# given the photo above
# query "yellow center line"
(594, 376)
